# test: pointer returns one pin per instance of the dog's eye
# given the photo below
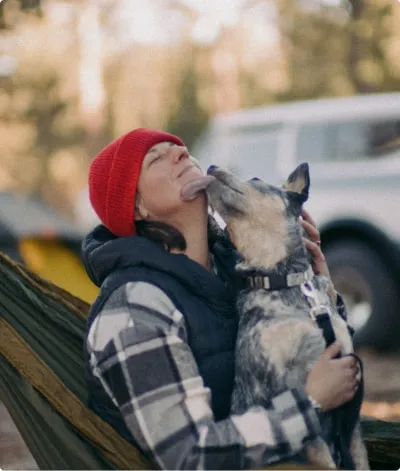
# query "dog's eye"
(255, 179)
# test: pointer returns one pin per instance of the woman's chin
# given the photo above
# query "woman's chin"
(195, 186)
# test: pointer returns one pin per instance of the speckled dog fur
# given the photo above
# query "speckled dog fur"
(278, 342)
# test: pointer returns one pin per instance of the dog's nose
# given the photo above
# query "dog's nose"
(210, 169)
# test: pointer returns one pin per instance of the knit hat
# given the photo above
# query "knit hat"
(114, 175)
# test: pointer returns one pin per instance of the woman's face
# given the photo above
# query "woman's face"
(166, 169)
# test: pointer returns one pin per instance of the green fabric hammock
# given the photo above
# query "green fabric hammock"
(42, 382)
(42, 379)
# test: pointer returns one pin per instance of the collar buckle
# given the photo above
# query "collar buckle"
(276, 282)
(313, 297)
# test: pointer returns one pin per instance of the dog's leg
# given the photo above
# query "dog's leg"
(318, 454)
(358, 450)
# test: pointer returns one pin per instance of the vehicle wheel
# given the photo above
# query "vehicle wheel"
(369, 292)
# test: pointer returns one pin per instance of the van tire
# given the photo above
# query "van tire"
(356, 269)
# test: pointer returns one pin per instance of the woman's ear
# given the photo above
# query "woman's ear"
(141, 213)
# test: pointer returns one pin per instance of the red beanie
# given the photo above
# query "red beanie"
(114, 174)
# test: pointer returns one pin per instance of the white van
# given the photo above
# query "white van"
(353, 148)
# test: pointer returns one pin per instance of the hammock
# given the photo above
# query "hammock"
(42, 382)
(42, 378)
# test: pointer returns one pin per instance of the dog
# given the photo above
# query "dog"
(279, 339)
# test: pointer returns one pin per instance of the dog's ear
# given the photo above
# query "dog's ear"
(298, 183)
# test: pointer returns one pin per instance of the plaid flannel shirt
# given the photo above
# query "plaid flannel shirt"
(138, 350)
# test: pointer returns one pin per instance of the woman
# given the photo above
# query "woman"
(162, 331)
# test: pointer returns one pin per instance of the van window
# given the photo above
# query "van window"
(351, 141)
(384, 137)
(253, 151)
(348, 141)
(315, 143)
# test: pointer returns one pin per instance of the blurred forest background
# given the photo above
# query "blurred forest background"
(75, 74)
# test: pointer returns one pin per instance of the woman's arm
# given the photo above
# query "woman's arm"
(139, 351)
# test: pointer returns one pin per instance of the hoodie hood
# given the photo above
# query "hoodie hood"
(103, 253)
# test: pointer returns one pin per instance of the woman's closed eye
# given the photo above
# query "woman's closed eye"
(157, 157)
(157, 154)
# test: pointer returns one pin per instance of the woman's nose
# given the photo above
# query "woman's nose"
(180, 153)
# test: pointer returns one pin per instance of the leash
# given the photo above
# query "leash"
(319, 311)
(346, 416)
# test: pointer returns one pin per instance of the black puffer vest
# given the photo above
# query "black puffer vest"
(206, 301)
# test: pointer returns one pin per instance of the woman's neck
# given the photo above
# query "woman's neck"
(197, 246)
(196, 236)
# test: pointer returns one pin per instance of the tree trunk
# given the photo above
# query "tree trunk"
(356, 47)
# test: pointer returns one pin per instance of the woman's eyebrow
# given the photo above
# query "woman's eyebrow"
(154, 149)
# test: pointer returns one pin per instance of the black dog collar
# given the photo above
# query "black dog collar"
(277, 282)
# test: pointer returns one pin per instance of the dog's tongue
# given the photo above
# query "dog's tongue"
(194, 187)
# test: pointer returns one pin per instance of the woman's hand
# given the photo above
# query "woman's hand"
(313, 245)
(332, 382)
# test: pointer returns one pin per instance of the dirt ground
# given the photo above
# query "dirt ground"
(382, 385)
(13, 452)
(382, 400)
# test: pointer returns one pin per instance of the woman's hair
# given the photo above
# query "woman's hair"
(163, 233)
(173, 238)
